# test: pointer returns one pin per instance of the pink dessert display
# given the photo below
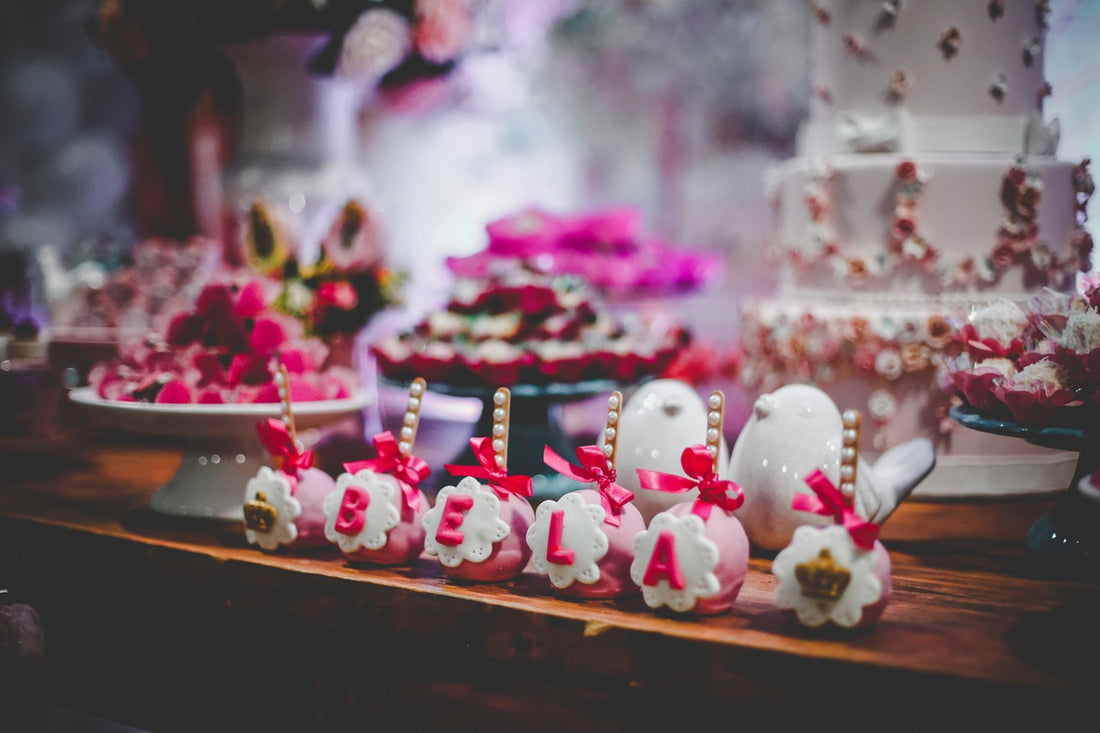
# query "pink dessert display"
(478, 530)
(374, 514)
(836, 575)
(283, 505)
(582, 541)
(226, 349)
(694, 556)
(607, 247)
(519, 325)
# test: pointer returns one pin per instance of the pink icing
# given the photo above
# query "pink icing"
(352, 514)
(509, 556)
(554, 551)
(454, 511)
(615, 566)
(663, 564)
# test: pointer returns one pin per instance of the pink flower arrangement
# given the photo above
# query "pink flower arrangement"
(607, 247)
(1033, 365)
(226, 349)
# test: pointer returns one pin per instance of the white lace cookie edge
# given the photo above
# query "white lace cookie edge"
(380, 516)
(582, 533)
(864, 588)
(696, 556)
(481, 525)
(276, 488)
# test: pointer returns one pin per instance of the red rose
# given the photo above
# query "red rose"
(906, 171)
(1016, 176)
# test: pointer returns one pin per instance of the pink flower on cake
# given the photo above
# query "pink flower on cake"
(906, 171)
(903, 228)
(1004, 254)
(442, 29)
(888, 364)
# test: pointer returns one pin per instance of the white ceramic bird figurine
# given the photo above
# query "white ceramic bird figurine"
(659, 420)
(791, 432)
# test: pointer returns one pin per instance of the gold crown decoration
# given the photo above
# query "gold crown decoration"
(823, 577)
(260, 515)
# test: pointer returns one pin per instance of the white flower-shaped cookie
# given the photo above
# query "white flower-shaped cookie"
(464, 523)
(360, 512)
(863, 587)
(275, 488)
(674, 562)
(576, 529)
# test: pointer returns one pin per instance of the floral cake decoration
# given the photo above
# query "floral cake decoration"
(1033, 363)
(1017, 242)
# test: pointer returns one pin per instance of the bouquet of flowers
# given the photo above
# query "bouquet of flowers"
(1033, 363)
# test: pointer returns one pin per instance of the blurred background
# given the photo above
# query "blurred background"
(116, 131)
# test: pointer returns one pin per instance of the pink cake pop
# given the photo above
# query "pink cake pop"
(283, 505)
(691, 558)
(478, 530)
(838, 574)
(374, 513)
(582, 541)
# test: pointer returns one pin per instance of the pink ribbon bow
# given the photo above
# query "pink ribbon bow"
(593, 469)
(698, 464)
(499, 480)
(408, 470)
(830, 502)
(277, 441)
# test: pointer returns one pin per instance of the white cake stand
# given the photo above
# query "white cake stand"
(222, 448)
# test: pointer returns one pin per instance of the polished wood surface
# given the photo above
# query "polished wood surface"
(171, 624)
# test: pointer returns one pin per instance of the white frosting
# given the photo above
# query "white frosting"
(864, 589)
(276, 489)
(984, 96)
(380, 516)
(480, 527)
(696, 556)
(582, 534)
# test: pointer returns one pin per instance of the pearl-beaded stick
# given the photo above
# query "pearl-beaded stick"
(611, 429)
(282, 381)
(849, 454)
(411, 420)
(716, 409)
(502, 406)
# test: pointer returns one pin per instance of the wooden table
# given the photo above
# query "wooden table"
(171, 625)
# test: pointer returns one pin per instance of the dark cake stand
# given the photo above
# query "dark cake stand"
(1069, 534)
(535, 422)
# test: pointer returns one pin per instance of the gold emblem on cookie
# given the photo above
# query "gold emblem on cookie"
(823, 577)
(260, 515)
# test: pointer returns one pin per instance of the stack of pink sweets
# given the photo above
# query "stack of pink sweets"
(520, 325)
(591, 543)
(1038, 364)
(607, 247)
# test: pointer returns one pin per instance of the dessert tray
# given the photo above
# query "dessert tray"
(222, 449)
(1067, 533)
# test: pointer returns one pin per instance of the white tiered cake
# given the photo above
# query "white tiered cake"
(926, 184)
